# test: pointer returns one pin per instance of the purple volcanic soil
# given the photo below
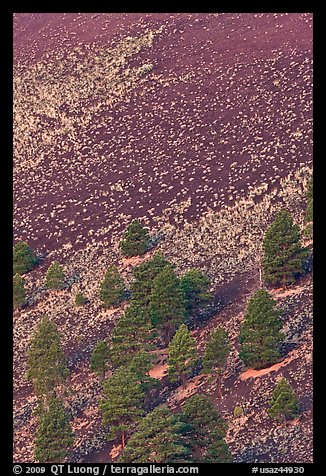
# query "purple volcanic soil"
(173, 141)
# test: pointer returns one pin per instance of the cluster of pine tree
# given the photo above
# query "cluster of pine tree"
(47, 369)
(161, 306)
(194, 435)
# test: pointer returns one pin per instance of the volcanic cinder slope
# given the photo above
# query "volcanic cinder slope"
(204, 145)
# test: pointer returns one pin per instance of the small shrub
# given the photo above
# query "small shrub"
(80, 299)
(238, 412)
(145, 68)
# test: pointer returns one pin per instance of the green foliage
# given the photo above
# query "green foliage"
(19, 295)
(80, 299)
(216, 352)
(112, 289)
(123, 402)
(260, 335)
(182, 355)
(144, 275)
(157, 439)
(205, 431)
(24, 258)
(130, 335)
(283, 254)
(55, 276)
(135, 240)
(167, 309)
(99, 358)
(140, 364)
(309, 196)
(195, 286)
(54, 436)
(238, 412)
(284, 404)
(46, 361)
(218, 452)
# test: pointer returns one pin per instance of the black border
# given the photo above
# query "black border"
(7, 176)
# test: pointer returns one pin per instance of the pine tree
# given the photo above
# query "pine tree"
(122, 406)
(19, 295)
(167, 309)
(216, 354)
(283, 254)
(130, 335)
(195, 286)
(55, 276)
(135, 240)
(309, 196)
(112, 289)
(260, 335)
(182, 355)
(206, 430)
(24, 258)
(284, 404)
(99, 358)
(157, 439)
(218, 452)
(46, 364)
(54, 436)
(139, 366)
(144, 275)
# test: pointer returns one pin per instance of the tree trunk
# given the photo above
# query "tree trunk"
(283, 283)
(123, 440)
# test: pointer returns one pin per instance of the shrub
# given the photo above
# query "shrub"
(238, 412)
(80, 299)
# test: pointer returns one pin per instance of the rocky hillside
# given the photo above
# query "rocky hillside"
(200, 125)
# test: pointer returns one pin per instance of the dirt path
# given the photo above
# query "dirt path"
(251, 373)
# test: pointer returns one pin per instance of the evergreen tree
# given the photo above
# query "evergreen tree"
(24, 258)
(139, 366)
(46, 364)
(112, 289)
(309, 196)
(216, 354)
(284, 404)
(167, 309)
(122, 406)
(54, 436)
(182, 355)
(205, 431)
(195, 286)
(99, 358)
(19, 295)
(130, 335)
(144, 275)
(218, 452)
(55, 276)
(260, 335)
(136, 240)
(157, 439)
(283, 254)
